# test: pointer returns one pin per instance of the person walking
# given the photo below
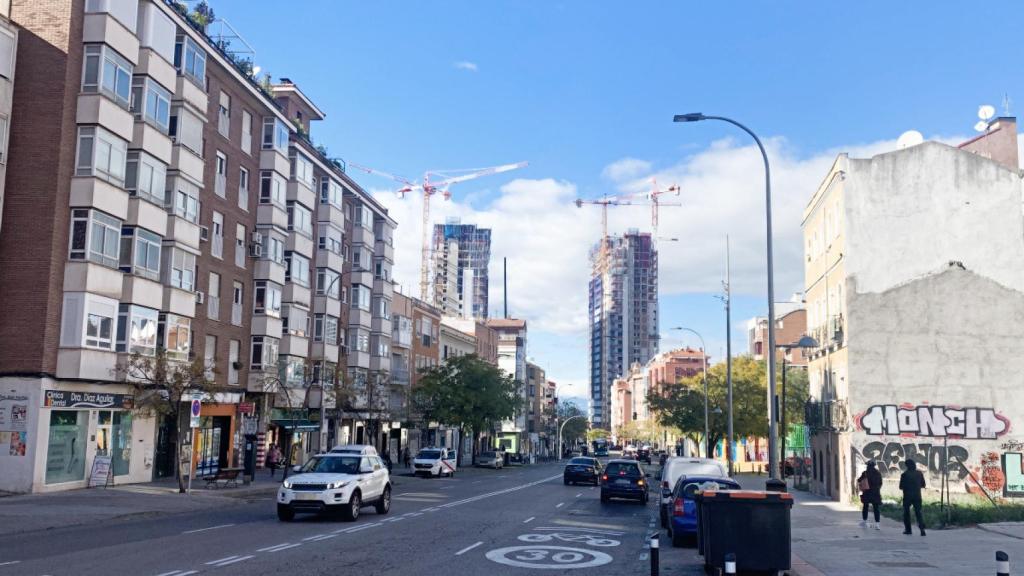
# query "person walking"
(911, 483)
(870, 485)
(273, 459)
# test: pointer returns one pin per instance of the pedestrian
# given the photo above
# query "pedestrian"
(273, 459)
(911, 483)
(405, 456)
(870, 485)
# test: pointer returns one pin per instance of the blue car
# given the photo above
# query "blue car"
(682, 524)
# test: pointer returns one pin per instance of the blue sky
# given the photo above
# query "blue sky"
(585, 91)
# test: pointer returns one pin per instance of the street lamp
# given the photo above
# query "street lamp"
(567, 420)
(804, 343)
(772, 429)
(704, 366)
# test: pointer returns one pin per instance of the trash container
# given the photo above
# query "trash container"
(753, 525)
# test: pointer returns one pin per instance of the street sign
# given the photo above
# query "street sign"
(197, 407)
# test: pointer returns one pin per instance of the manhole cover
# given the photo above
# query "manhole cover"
(895, 564)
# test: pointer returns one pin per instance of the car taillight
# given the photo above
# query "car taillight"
(677, 507)
(604, 477)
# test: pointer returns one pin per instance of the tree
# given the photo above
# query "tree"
(163, 387)
(203, 15)
(466, 392)
(596, 434)
(575, 429)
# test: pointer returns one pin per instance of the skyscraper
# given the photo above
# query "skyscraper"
(462, 251)
(623, 313)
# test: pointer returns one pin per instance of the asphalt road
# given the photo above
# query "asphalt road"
(512, 521)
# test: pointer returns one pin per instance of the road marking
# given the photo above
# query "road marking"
(171, 573)
(414, 514)
(528, 520)
(588, 530)
(314, 537)
(592, 525)
(476, 481)
(537, 557)
(363, 527)
(580, 494)
(321, 537)
(221, 560)
(431, 509)
(278, 547)
(560, 504)
(239, 559)
(467, 549)
(10, 562)
(499, 492)
(205, 529)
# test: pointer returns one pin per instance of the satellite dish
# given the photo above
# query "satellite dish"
(981, 126)
(986, 112)
(908, 139)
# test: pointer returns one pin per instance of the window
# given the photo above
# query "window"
(146, 177)
(96, 237)
(213, 297)
(273, 249)
(88, 321)
(381, 270)
(380, 347)
(224, 114)
(296, 268)
(68, 428)
(186, 201)
(360, 341)
(186, 128)
(302, 170)
(175, 336)
(294, 321)
(243, 189)
(123, 12)
(3, 134)
(325, 329)
(294, 371)
(6, 54)
(382, 308)
(264, 353)
(271, 188)
(190, 60)
(246, 132)
(107, 72)
(331, 193)
(151, 103)
(140, 252)
(275, 135)
(360, 297)
(357, 259)
(234, 347)
(327, 282)
(220, 178)
(156, 31)
(240, 246)
(181, 268)
(236, 303)
(210, 357)
(101, 154)
(329, 238)
(136, 330)
(364, 217)
(267, 299)
(217, 235)
(300, 219)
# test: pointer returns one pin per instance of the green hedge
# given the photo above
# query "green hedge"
(958, 514)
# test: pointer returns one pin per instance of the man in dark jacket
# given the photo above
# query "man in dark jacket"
(872, 495)
(911, 483)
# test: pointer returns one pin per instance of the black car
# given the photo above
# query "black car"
(582, 470)
(624, 479)
(644, 455)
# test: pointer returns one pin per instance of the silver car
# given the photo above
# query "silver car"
(679, 466)
(491, 459)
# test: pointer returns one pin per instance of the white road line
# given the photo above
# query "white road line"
(10, 562)
(171, 573)
(313, 537)
(276, 546)
(284, 547)
(467, 549)
(572, 529)
(476, 481)
(221, 560)
(239, 559)
(528, 520)
(580, 494)
(414, 514)
(322, 537)
(560, 504)
(205, 529)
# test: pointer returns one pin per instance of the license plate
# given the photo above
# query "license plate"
(622, 482)
(306, 496)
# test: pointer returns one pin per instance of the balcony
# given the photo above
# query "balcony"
(380, 325)
(325, 351)
(93, 278)
(102, 27)
(86, 364)
(154, 66)
(325, 305)
(187, 91)
(142, 291)
(829, 416)
(301, 193)
(293, 293)
(361, 276)
(263, 325)
(276, 161)
(298, 242)
(178, 301)
(359, 317)
(182, 231)
(363, 236)
(383, 288)
(147, 215)
(358, 359)
(380, 363)
(330, 213)
(400, 376)
(292, 345)
(184, 160)
(152, 140)
(98, 109)
(384, 249)
(268, 270)
(90, 192)
(328, 259)
(272, 215)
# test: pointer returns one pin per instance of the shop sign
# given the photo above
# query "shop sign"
(68, 399)
(246, 408)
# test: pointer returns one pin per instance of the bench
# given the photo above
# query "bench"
(223, 478)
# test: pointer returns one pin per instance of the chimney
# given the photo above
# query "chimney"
(998, 143)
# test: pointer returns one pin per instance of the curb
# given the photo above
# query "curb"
(802, 568)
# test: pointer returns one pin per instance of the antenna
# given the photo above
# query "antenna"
(908, 139)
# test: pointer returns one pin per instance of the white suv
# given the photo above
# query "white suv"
(336, 481)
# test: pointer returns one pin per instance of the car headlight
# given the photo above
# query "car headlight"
(287, 483)
(336, 485)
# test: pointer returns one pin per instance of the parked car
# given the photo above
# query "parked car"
(680, 466)
(624, 479)
(336, 481)
(491, 459)
(683, 520)
(434, 462)
(582, 469)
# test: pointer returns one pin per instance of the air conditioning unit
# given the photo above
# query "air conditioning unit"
(257, 238)
(256, 250)
(200, 297)
(204, 233)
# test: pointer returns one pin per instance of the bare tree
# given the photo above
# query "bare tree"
(163, 387)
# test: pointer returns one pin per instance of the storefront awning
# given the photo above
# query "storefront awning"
(298, 425)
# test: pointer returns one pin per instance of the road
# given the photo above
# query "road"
(511, 521)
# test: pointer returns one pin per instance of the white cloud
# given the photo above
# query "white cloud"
(626, 169)
(466, 65)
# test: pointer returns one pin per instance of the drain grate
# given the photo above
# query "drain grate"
(896, 564)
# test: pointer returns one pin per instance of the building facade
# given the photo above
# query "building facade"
(462, 256)
(914, 288)
(623, 305)
(789, 328)
(512, 359)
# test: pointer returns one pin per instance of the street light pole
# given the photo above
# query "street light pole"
(704, 366)
(567, 420)
(728, 354)
(772, 428)
(805, 342)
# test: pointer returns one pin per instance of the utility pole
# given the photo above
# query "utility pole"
(728, 354)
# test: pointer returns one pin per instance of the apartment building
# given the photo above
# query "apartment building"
(8, 61)
(512, 359)
(914, 291)
(462, 256)
(623, 306)
(454, 342)
(486, 338)
(402, 363)
(629, 408)
(183, 196)
(789, 328)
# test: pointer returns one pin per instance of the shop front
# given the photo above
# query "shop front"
(294, 432)
(215, 442)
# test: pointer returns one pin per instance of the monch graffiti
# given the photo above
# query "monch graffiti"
(935, 458)
(933, 421)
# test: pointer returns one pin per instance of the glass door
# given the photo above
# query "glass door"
(208, 448)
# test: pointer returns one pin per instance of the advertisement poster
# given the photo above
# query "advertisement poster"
(13, 412)
(17, 443)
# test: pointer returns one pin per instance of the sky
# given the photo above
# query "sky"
(585, 92)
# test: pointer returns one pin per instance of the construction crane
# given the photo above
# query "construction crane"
(434, 182)
(604, 203)
(655, 203)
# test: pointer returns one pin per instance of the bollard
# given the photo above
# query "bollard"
(655, 564)
(1002, 563)
(730, 563)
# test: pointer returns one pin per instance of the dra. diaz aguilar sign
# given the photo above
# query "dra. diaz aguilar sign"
(66, 399)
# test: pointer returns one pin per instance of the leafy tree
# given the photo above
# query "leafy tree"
(163, 387)
(466, 392)
(596, 434)
(575, 429)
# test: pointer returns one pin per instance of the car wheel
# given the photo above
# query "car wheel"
(384, 504)
(664, 517)
(604, 497)
(565, 481)
(351, 511)
(285, 513)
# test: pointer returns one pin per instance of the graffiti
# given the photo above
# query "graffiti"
(1013, 446)
(933, 458)
(992, 476)
(1013, 470)
(933, 421)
